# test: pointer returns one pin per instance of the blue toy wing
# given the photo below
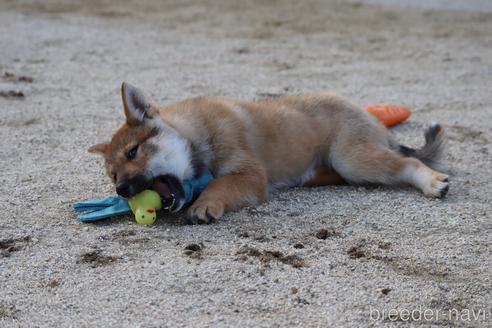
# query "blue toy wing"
(96, 204)
(193, 188)
(101, 209)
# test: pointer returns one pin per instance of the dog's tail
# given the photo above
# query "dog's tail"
(432, 152)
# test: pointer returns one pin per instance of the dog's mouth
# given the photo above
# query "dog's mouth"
(171, 191)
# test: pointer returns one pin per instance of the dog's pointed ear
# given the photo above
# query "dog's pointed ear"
(136, 105)
(101, 148)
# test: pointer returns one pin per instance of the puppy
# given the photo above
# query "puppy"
(251, 148)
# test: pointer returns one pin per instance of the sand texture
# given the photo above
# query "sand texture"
(310, 257)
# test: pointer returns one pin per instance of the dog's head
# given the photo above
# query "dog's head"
(146, 153)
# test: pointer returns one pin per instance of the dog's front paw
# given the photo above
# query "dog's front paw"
(205, 211)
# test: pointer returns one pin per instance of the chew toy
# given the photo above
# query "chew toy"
(144, 205)
(389, 115)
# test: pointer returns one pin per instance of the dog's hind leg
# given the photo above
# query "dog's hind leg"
(324, 176)
(373, 163)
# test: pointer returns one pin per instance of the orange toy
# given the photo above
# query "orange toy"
(389, 115)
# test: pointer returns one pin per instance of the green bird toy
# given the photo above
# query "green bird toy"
(144, 205)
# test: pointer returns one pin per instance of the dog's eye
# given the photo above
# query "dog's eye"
(132, 153)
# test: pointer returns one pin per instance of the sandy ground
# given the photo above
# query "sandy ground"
(274, 265)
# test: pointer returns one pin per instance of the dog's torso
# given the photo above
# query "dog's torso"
(289, 137)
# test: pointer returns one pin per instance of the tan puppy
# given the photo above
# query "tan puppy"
(252, 147)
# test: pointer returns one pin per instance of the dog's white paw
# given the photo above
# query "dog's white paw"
(438, 186)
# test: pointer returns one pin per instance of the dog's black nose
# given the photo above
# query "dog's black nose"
(123, 189)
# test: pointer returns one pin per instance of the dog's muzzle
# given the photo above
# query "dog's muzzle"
(128, 188)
